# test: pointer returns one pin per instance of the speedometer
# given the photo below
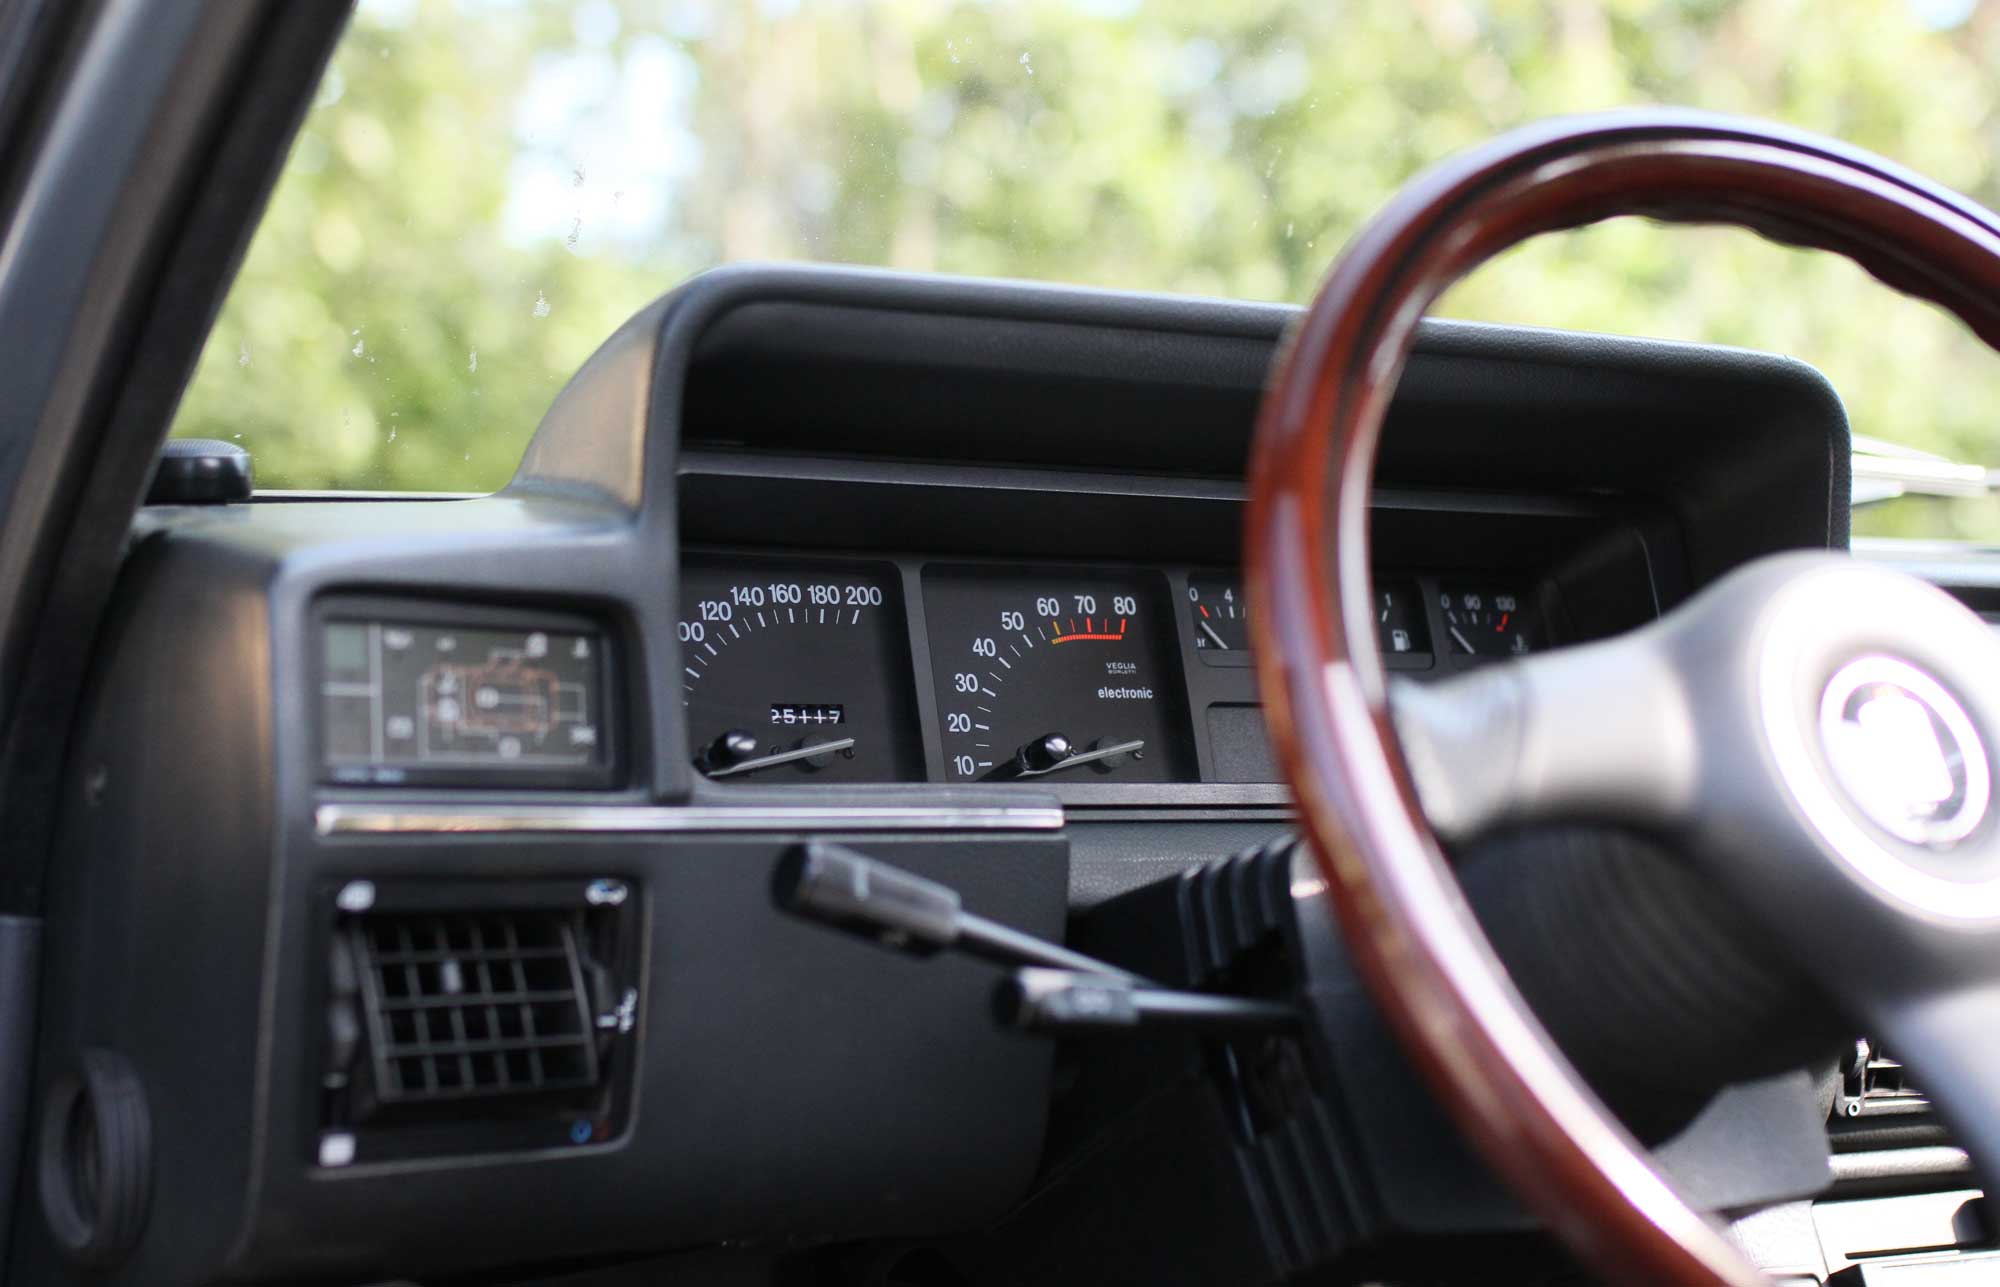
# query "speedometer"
(797, 672)
(1061, 674)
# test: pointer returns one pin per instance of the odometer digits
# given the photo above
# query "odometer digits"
(1062, 676)
(795, 673)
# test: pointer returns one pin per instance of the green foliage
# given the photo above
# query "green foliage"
(1180, 145)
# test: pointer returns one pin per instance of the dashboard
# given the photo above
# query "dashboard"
(945, 570)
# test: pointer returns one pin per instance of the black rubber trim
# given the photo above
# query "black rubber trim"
(96, 1205)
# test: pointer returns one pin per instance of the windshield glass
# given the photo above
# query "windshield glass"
(485, 189)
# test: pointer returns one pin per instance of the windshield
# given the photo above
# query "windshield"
(485, 189)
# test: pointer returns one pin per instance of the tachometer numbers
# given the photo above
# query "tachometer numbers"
(1061, 676)
(796, 673)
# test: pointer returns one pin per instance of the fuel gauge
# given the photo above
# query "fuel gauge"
(1399, 624)
(1222, 622)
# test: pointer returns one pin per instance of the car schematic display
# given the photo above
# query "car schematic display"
(405, 700)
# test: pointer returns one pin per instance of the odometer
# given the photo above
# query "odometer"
(796, 673)
(1063, 676)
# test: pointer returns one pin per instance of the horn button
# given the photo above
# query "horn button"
(1904, 751)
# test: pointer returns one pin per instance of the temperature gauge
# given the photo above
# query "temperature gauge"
(1485, 622)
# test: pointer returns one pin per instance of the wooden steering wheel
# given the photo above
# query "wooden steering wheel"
(1741, 726)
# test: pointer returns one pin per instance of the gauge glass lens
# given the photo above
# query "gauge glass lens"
(1399, 622)
(1482, 621)
(1061, 677)
(1221, 621)
(797, 673)
(402, 697)
(1221, 618)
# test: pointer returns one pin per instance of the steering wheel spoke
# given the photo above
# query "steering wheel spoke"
(1949, 1037)
(1597, 733)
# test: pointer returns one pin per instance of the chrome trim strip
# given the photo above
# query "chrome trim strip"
(1897, 1163)
(618, 819)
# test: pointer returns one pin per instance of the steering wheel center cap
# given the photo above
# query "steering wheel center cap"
(1904, 751)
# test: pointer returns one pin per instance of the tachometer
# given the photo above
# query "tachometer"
(1054, 676)
(797, 673)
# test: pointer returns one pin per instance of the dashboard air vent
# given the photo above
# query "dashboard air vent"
(1873, 1085)
(470, 1005)
(477, 1016)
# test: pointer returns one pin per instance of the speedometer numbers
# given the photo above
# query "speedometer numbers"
(1063, 677)
(797, 673)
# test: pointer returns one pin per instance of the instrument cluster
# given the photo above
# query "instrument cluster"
(806, 669)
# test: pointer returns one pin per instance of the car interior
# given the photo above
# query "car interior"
(933, 780)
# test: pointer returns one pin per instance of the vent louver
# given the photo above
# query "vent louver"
(1873, 1085)
(476, 1017)
(464, 1006)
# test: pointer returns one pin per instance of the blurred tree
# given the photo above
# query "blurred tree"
(486, 188)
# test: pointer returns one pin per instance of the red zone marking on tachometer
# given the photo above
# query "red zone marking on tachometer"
(1090, 632)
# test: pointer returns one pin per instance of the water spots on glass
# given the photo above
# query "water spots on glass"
(1288, 230)
(576, 177)
(242, 355)
(392, 433)
(472, 366)
(951, 49)
(541, 305)
(575, 233)
(359, 345)
(1025, 63)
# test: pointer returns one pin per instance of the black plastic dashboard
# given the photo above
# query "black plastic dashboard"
(441, 719)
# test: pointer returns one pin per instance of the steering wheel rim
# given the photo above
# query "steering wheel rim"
(1403, 917)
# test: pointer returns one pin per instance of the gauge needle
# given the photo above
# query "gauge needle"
(1072, 761)
(1463, 642)
(784, 757)
(1210, 632)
